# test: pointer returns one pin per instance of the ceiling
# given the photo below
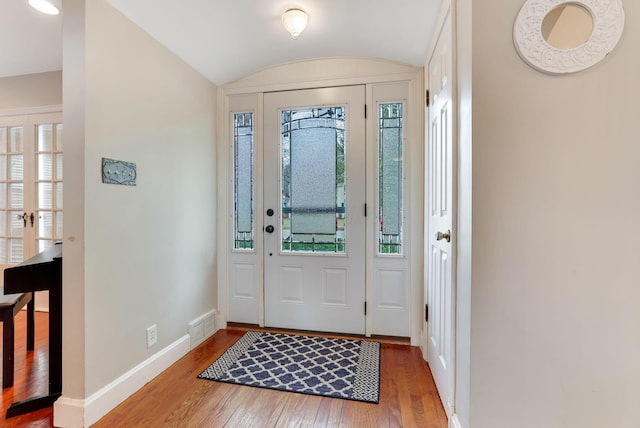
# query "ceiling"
(225, 40)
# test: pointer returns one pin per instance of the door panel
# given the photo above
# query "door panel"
(389, 166)
(439, 252)
(245, 250)
(314, 169)
(30, 188)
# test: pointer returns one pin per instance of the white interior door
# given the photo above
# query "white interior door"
(314, 209)
(30, 188)
(439, 255)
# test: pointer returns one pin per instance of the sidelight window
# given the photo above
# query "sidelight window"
(243, 133)
(390, 182)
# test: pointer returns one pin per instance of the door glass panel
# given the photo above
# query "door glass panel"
(45, 195)
(59, 166)
(59, 223)
(45, 138)
(16, 195)
(16, 134)
(16, 167)
(45, 225)
(45, 166)
(16, 247)
(3, 167)
(313, 179)
(390, 178)
(59, 195)
(243, 180)
(16, 223)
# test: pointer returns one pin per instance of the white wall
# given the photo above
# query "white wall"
(138, 255)
(555, 326)
(31, 90)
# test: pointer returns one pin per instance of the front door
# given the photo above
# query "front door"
(314, 209)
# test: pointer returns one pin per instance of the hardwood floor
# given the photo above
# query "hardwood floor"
(176, 398)
(31, 374)
(408, 397)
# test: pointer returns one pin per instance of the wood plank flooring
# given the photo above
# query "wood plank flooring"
(176, 398)
(31, 374)
(408, 397)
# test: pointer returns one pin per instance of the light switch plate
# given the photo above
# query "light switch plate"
(118, 172)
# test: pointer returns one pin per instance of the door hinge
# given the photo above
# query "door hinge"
(365, 111)
(426, 312)
(365, 308)
(427, 97)
(365, 210)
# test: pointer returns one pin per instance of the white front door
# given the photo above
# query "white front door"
(314, 209)
(440, 211)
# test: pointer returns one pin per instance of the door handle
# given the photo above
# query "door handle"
(447, 236)
(269, 229)
(32, 217)
(24, 218)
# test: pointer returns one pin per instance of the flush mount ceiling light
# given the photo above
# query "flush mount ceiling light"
(295, 21)
(50, 7)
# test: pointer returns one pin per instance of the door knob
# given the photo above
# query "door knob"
(24, 218)
(269, 229)
(447, 236)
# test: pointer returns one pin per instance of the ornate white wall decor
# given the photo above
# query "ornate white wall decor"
(608, 22)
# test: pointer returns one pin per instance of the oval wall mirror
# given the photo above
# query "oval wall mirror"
(560, 36)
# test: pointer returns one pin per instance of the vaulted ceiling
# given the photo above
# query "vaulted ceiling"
(225, 40)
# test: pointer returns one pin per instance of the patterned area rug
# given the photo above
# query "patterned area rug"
(340, 368)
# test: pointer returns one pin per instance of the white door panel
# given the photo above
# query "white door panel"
(314, 181)
(439, 247)
(245, 275)
(389, 166)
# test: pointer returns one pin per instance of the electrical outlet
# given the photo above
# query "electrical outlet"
(152, 336)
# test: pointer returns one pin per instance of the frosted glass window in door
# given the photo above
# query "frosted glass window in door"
(243, 180)
(390, 138)
(313, 180)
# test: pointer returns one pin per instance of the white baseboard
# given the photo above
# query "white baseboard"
(454, 422)
(76, 413)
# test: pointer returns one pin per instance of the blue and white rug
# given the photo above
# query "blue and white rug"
(340, 368)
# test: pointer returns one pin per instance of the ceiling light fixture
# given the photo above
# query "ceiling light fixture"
(295, 21)
(50, 7)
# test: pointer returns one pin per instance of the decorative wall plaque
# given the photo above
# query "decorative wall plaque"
(118, 172)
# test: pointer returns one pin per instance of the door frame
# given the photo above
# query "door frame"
(320, 73)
